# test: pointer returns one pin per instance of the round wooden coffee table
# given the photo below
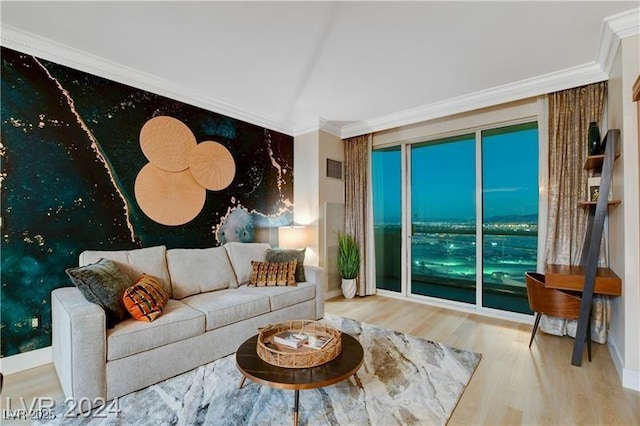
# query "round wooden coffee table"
(340, 368)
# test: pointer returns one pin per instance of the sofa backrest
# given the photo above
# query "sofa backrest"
(241, 255)
(150, 260)
(195, 271)
(185, 272)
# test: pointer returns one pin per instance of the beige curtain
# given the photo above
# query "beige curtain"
(358, 212)
(570, 112)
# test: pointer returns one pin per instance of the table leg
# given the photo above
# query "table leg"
(357, 379)
(296, 402)
(242, 382)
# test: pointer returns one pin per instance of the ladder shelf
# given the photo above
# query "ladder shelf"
(598, 210)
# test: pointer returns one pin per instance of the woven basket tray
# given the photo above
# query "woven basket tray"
(303, 357)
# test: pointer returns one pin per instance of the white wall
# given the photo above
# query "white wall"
(306, 207)
(331, 195)
(616, 215)
(624, 221)
(312, 190)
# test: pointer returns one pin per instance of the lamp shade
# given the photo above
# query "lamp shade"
(292, 237)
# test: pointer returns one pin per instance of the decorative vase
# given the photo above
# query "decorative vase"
(603, 145)
(348, 288)
(594, 139)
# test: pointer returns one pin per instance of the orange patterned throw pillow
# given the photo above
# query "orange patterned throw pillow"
(273, 273)
(145, 299)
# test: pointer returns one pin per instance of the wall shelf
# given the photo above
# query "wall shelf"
(594, 203)
(595, 161)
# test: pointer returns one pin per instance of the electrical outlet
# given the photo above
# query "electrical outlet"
(35, 322)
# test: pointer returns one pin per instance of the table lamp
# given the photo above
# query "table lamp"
(292, 237)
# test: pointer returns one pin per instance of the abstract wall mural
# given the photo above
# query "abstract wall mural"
(84, 166)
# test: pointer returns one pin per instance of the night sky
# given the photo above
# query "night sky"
(443, 177)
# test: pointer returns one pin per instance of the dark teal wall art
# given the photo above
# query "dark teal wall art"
(70, 154)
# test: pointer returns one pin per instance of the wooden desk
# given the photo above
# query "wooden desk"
(571, 277)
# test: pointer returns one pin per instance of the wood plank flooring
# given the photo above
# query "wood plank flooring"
(513, 385)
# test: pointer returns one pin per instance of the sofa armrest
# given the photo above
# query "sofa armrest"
(79, 344)
(315, 275)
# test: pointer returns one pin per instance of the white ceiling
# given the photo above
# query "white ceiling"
(353, 65)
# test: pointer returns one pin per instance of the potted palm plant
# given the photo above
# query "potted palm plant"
(348, 263)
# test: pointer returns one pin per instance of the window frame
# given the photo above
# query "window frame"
(520, 112)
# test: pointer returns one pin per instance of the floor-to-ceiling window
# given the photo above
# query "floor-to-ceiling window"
(386, 167)
(470, 213)
(509, 214)
(443, 219)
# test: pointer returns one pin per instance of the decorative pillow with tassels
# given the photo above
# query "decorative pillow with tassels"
(280, 255)
(273, 273)
(145, 299)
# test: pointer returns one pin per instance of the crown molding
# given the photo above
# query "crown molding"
(331, 128)
(324, 126)
(49, 50)
(614, 29)
(536, 86)
(625, 24)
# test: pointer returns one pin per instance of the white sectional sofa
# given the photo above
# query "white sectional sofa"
(211, 312)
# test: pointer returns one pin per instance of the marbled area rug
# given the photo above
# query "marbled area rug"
(406, 380)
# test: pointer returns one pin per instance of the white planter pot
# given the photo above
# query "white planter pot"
(349, 288)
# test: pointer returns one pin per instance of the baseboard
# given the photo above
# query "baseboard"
(630, 378)
(333, 293)
(460, 306)
(25, 361)
(615, 356)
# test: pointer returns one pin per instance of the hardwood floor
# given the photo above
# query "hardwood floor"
(512, 385)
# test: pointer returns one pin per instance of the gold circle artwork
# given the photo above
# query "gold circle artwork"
(169, 198)
(212, 165)
(167, 143)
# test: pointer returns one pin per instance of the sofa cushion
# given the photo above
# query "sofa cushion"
(145, 299)
(151, 261)
(195, 271)
(280, 255)
(273, 273)
(226, 307)
(177, 322)
(241, 255)
(103, 283)
(281, 297)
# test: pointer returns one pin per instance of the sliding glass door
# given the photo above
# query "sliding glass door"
(443, 219)
(509, 214)
(469, 217)
(387, 216)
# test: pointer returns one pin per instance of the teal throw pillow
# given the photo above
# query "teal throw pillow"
(281, 255)
(103, 283)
